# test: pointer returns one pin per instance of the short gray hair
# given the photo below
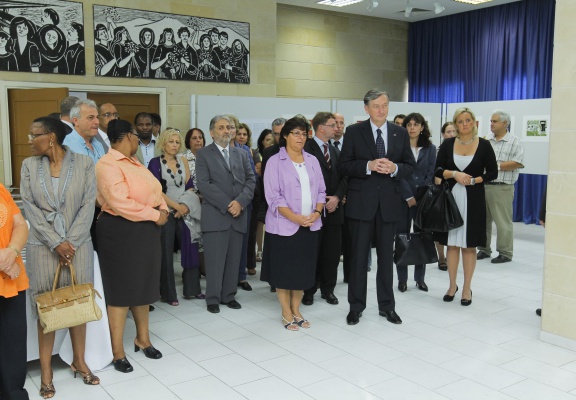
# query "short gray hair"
(66, 105)
(373, 94)
(75, 111)
(504, 116)
(216, 119)
(278, 122)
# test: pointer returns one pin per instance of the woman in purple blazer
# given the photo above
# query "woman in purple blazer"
(296, 194)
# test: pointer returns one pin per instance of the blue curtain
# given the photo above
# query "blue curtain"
(496, 53)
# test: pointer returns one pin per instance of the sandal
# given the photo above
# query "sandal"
(258, 256)
(302, 323)
(88, 377)
(47, 391)
(443, 266)
(290, 325)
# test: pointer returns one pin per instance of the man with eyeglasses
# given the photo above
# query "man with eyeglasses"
(324, 124)
(106, 113)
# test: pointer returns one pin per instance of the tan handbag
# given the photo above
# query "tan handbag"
(68, 306)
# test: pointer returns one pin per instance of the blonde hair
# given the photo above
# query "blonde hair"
(461, 111)
(165, 136)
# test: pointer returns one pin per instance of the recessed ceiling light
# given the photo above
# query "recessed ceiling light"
(473, 1)
(338, 3)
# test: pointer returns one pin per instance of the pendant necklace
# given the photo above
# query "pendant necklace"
(467, 142)
(170, 171)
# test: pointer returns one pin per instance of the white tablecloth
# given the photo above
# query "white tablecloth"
(98, 346)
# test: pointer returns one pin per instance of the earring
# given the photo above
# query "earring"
(51, 144)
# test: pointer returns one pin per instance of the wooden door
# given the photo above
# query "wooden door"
(128, 104)
(25, 105)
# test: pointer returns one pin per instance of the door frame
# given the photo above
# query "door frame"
(73, 87)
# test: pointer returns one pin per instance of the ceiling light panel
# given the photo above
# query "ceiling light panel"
(338, 3)
(472, 1)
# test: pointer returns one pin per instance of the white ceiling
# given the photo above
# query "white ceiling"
(394, 9)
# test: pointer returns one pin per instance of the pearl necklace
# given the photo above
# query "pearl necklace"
(468, 142)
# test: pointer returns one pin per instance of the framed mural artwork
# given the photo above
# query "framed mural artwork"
(536, 128)
(147, 44)
(42, 36)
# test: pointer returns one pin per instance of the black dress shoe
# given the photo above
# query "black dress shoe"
(539, 312)
(272, 289)
(330, 298)
(353, 317)
(151, 308)
(123, 365)
(213, 308)
(500, 259)
(443, 266)
(308, 299)
(391, 316)
(422, 286)
(449, 298)
(466, 302)
(245, 286)
(233, 304)
(481, 255)
(149, 352)
(402, 286)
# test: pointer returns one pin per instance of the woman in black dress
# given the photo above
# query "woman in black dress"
(466, 162)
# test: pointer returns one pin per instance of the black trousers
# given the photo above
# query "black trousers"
(330, 239)
(167, 282)
(403, 226)
(362, 234)
(346, 249)
(13, 347)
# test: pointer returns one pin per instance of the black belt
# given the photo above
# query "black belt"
(496, 183)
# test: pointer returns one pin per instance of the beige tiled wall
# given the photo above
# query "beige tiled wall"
(559, 303)
(322, 54)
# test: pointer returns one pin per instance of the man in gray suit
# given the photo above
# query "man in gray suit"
(226, 181)
(106, 113)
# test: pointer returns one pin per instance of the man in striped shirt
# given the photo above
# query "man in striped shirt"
(500, 192)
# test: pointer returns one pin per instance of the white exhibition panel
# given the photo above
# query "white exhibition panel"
(535, 150)
(353, 111)
(257, 112)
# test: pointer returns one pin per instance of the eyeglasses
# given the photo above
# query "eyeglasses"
(32, 137)
(298, 133)
(333, 126)
(108, 115)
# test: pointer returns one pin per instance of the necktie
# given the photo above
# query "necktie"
(327, 154)
(226, 157)
(337, 144)
(380, 146)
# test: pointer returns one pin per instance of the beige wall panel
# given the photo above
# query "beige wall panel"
(559, 320)
(562, 108)
(357, 74)
(323, 72)
(560, 233)
(294, 70)
(562, 192)
(565, 71)
(257, 90)
(560, 274)
(562, 161)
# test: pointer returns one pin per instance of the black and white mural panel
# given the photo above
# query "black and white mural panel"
(132, 43)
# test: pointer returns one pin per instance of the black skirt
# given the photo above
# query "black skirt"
(130, 256)
(289, 262)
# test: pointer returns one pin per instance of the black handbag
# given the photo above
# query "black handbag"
(437, 211)
(414, 249)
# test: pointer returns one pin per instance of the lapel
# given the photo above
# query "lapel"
(287, 164)
(392, 132)
(369, 138)
(319, 153)
(219, 156)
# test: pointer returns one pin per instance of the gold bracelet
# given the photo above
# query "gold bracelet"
(15, 249)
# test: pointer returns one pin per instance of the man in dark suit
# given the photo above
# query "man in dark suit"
(375, 156)
(324, 124)
(226, 181)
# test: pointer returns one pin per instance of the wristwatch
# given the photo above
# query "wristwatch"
(472, 181)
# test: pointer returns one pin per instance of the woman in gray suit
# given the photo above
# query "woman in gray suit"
(58, 188)
(425, 154)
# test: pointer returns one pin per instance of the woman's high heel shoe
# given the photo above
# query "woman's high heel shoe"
(466, 302)
(123, 365)
(448, 298)
(47, 390)
(87, 377)
(149, 352)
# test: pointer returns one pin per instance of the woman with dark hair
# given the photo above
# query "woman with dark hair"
(26, 52)
(7, 59)
(58, 192)
(146, 52)
(467, 162)
(194, 141)
(50, 17)
(13, 285)
(104, 59)
(238, 63)
(124, 51)
(266, 139)
(208, 62)
(425, 155)
(161, 60)
(296, 195)
(448, 130)
(128, 231)
(52, 45)
(75, 53)
(186, 56)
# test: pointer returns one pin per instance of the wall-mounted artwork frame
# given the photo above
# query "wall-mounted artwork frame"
(42, 36)
(152, 45)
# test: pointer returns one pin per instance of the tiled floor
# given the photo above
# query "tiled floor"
(489, 350)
